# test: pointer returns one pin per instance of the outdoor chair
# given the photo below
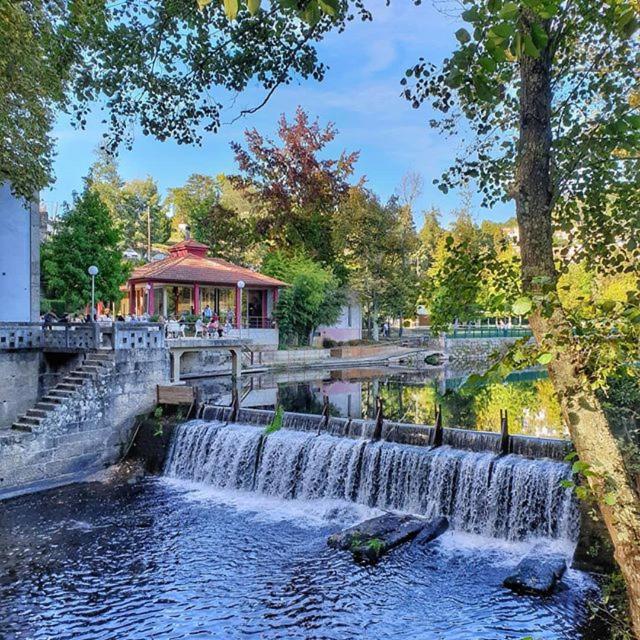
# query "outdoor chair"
(198, 329)
(175, 329)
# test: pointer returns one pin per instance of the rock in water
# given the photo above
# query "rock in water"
(432, 530)
(371, 539)
(537, 573)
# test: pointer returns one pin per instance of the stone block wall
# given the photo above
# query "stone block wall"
(18, 383)
(90, 431)
(476, 349)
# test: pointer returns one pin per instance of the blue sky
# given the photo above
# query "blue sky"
(360, 95)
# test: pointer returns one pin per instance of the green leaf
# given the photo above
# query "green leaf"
(610, 498)
(202, 4)
(522, 306)
(545, 358)
(503, 29)
(567, 484)
(571, 456)
(539, 36)
(487, 63)
(463, 36)
(330, 7)
(509, 10)
(579, 466)
(471, 15)
(253, 6)
(529, 48)
(231, 8)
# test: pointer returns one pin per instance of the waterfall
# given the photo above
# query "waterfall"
(507, 497)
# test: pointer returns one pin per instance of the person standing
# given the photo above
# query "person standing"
(206, 314)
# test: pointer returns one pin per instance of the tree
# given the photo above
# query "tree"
(40, 43)
(220, 216)
(85, 235)
(550, 91)
(369, 238)
(428, 238)
(155, 64)
(313, 297)
(298, 190)
(130, 203)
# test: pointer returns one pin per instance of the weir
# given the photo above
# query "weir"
(401, 433)
(501, 496)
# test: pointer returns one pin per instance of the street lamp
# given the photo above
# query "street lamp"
(93, 272)
(240, 286)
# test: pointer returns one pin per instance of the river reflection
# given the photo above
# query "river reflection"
(412, 397)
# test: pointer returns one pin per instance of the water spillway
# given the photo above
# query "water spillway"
(402, 433)
(509, 497)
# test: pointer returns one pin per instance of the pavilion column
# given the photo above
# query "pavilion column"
(238, 308)
(151, 302)
(263, 322)
(132, 299)
(196, 298)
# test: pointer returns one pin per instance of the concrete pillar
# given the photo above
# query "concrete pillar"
(132, 299)
(263, 323)
(165, 302)
(151, 302)
(196, 298)
(175, 365)
(238, 308)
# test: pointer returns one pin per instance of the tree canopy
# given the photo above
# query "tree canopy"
(85, 236)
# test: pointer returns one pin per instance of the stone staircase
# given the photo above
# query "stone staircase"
(96, 364)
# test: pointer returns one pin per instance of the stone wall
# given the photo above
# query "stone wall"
(476, 349)
(90, 431)
(18, 383)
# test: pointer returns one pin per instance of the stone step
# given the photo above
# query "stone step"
(60, 393)
(53, 399)
(35, 420)
(79, 375)
(104, 357)
(37, 413)
(22, 426)
(46, 406)
(85, 368)
(69, 385)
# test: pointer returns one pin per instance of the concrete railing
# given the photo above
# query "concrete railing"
(70, 337)
(20, 335)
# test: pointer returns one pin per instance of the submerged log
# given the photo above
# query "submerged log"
(432, 530)
(371, 539)
(537, 573)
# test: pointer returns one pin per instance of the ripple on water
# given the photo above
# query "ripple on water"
(173, 561)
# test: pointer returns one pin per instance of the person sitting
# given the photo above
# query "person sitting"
(213, 326)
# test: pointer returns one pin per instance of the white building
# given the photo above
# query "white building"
(19, 258)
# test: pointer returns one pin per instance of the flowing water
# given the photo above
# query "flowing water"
(231, 544)
(508, 497)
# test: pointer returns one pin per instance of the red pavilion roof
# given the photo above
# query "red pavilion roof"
(187, 263)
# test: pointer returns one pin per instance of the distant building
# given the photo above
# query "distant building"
(130, 254)
(19, 258)
(347, 327)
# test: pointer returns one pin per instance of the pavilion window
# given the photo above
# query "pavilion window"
(226, 301)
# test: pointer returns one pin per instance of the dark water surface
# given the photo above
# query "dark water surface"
(168, 560)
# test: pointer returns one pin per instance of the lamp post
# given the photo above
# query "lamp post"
(240, 286)
(93, 272)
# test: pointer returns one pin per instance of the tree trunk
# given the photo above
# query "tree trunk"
(375, 332)
(585, 419)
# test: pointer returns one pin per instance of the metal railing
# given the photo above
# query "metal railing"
(488, 331)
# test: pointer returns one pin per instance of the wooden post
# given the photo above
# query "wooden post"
(377, 430)
(505, 438)
(235, 404)
(438, 429)
(325, 414)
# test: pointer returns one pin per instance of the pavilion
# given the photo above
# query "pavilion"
(187, 281)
